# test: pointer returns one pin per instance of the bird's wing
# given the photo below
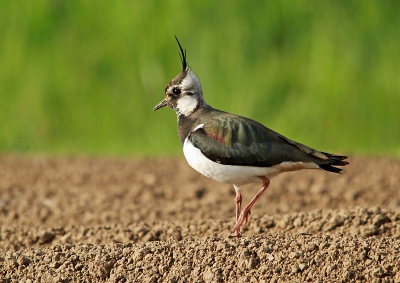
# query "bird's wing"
(235, 140)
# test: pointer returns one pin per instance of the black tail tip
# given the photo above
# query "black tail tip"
(335, 160)
(330, 168)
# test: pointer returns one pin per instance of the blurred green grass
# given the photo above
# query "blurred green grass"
(82, 77)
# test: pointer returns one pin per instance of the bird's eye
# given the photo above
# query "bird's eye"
(176, 90)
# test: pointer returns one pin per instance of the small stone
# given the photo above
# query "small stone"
(295, 268)
(295, 255)
(252, 263)
(302, 266)
(369, 230)
(46, 237)
(354, 231)
(246, 253)
(208, 275)
(284, 222)
(24, 261)
(312, 247)
(380, 219)
(55, 264)
(298, 222)
(79, 266)
(269, 256)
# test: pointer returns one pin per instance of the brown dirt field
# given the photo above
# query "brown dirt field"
(127, 220)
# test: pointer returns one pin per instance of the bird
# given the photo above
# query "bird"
(234, 149)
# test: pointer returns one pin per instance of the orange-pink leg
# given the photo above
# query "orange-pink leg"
(244, 216)
(238, 200)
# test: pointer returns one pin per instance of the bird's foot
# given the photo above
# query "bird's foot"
(235, 233)
(241, 221)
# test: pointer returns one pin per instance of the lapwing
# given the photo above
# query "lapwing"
(234, 149)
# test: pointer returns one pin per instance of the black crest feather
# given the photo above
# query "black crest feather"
(182, 55)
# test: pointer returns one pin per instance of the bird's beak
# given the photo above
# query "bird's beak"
(160, 105)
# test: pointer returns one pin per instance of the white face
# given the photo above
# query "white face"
(186, 105)
(184, 95)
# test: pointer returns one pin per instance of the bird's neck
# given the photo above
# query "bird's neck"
(187, 123)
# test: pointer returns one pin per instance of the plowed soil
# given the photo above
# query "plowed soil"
(127, 220)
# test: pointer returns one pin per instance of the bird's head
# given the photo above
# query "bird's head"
(183, 93)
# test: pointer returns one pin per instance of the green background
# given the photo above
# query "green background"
(82, 77)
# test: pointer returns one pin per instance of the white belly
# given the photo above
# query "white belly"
(237, 175)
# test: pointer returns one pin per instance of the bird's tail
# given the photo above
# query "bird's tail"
(334, 160)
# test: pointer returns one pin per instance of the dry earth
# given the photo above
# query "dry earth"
(126, 220)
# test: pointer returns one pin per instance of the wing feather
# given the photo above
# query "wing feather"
(235, 140)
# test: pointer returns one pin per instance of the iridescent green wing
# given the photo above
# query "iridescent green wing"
(235, 140)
